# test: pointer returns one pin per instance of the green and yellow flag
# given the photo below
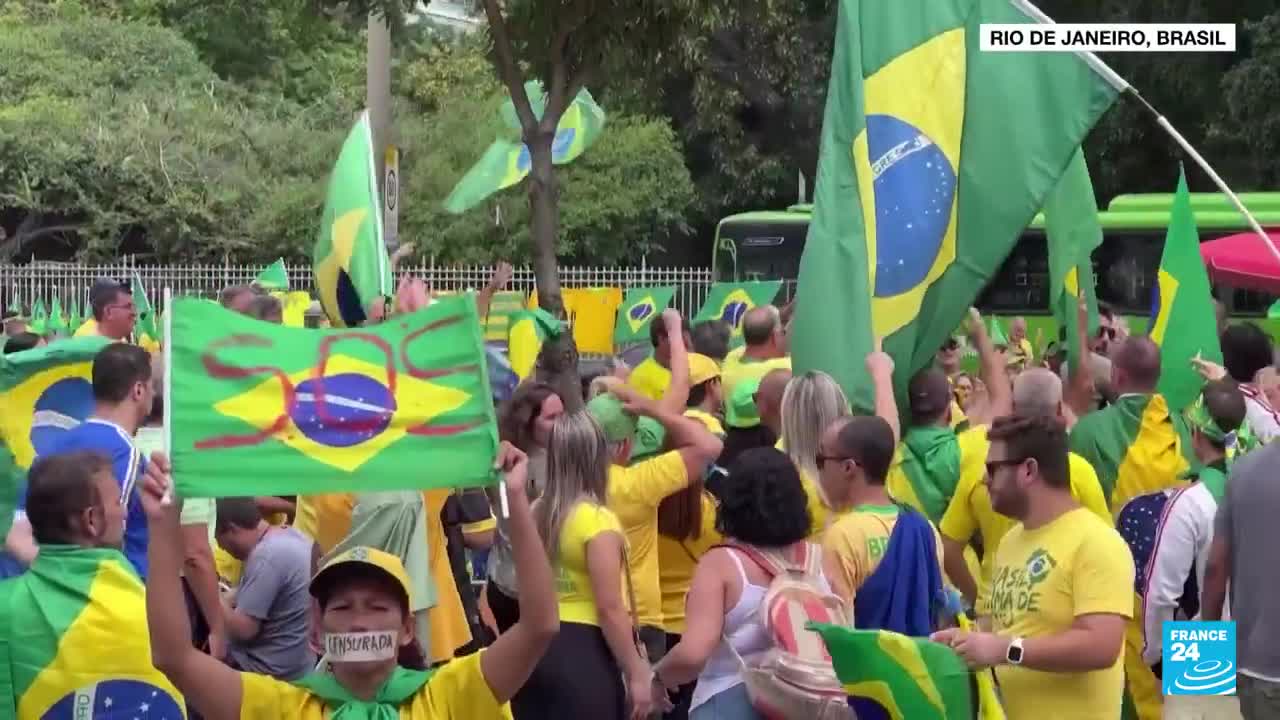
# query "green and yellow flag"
(505, 163)
(74, 317)
(1136, 445)
(529, 329)
(74, 640)
(1073, 232)
(273, 277)
(399, 405)
(925, 180)
(894, 677)
(503, 306)
(39, 317)
(731, 301)
(996, 330)
(1184, 322)
(57, 322)
(350, 261)
(146, 330)
(44, 392)
(638, 309)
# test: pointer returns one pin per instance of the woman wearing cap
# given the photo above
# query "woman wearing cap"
(593, 664)
(364, 614)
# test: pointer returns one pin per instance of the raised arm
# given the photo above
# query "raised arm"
(508, 663)
(999, 393)
(501, 276)
(212, 688)
(880, 368)
(676, 398)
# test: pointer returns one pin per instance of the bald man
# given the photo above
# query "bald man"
(970, 519)
(765, 349)
(769, 398)
(1139, 419)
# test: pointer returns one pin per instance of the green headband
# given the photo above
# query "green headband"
(1198, 417)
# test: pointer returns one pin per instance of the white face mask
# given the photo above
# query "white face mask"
(361, 647)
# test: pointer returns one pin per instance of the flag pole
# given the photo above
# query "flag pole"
(1122, 85)
(166, 355)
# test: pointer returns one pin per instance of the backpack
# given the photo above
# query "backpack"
(794, 678)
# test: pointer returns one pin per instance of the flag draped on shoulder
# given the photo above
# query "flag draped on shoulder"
(638, 309)
(73, 637)
(925, 179)
(263, 409)
(1184, 322)
(1136, 445)
(44, 392)
(888, 676)
(731, 301)
(1073, 232)
(350, 260)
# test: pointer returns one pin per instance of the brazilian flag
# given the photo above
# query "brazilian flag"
(889, 676)
(638, 310)
(503, 306)
(274, 277)
(74, 640)
(731, 301)
(44, 392)
(350, 260)
(1073, 232)
(398, 405)
(1183, 319)
(934, 158)
(529, 329)
(505, 163)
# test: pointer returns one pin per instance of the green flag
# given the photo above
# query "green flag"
(57, 321)
(1273, 312)
(147, 322)
(996, 331)
(925, 178)
(1073, 232)
(350, 261)
(274, 277)
(1184, 322)
(638, 309)
(529, 328)
(397, 405)
(75, 317)
(731, 301)
(887, 675)
(76, 640)
(506, 163)
(39, 317)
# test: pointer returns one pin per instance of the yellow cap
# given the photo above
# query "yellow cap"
(361, 557)
(702, 369)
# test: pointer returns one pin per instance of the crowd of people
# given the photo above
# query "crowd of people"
(636, 571)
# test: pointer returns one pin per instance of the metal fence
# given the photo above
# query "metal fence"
(24, 284)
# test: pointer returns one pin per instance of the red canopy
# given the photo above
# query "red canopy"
(1243, 261)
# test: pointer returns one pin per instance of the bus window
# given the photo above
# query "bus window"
(1125, 268)
(1021, 285)
(760, 250)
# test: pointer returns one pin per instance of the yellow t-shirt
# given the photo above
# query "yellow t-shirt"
(970, 509)
(228, 568)
(857, 542)
(737, 368)
(457, 690)
(676, 562)
(634, 495)
(711, 422)
(1044, 579)
(326, 519)
(650, 379)
(573, 583)
(447, 618)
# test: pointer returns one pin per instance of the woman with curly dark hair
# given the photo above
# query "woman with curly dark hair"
(525, 421)
(765, 509)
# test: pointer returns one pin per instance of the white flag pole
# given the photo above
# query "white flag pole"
(166, 353)
(1122, 85)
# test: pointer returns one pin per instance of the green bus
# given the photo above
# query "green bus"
(768, 245)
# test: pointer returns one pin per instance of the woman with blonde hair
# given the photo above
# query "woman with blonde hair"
(593, 666)
(810, 404)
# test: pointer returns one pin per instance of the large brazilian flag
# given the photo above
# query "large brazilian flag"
(404, 404)
(934, 158)
(74, 640)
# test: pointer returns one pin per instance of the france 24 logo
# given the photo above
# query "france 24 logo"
(1199, 658)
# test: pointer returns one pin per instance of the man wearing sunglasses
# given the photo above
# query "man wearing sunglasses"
(1062, 589)
(113, 312)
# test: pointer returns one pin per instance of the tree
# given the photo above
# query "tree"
(566, 43)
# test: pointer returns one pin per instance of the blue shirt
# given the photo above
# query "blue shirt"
(127, 464)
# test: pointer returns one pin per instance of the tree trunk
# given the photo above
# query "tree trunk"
(558, 361)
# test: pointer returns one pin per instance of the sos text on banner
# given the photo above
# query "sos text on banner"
(1109, 37)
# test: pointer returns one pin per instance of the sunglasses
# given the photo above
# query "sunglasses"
(822, 460)
(994, 465)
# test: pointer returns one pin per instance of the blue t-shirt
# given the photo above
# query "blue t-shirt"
(127, 464)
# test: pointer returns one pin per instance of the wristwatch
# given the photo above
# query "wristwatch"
(1013, 655)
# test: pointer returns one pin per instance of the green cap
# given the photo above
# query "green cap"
(618, 424)
(740, 408)
(650, 438)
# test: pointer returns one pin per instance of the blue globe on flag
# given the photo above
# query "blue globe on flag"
(914, 185)
(111, 699)
(342, 410)
(62, 406)
(733, 313)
